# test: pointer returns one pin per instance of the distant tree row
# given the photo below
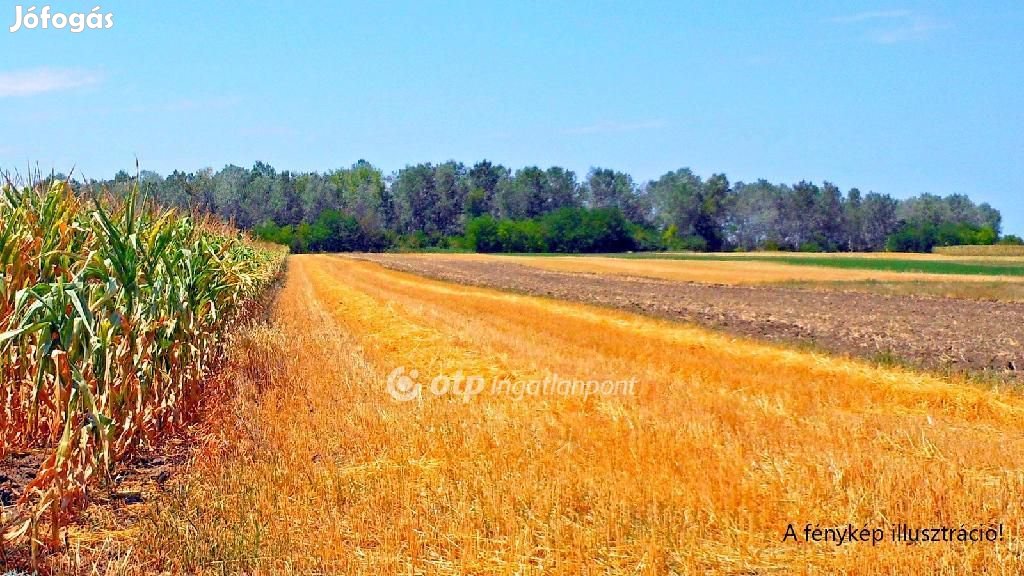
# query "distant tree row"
(454, 205)
(568, 229)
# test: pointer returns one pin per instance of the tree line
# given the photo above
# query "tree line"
(490, 207)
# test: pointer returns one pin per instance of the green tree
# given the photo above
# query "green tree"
(695, 210)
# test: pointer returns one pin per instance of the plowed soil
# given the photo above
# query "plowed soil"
(933, 333)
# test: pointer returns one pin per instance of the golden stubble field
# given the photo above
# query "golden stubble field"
(315, 468)
(764, 270)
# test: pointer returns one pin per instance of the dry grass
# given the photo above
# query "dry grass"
(993, 250)
(723, 272)
(725, 443)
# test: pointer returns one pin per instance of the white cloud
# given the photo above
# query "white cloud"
(871, 15)
(614, 127)
(891, 26)
(42, 80)
(918, 29)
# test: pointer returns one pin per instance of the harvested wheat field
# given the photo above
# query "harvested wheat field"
(696, 461)
(943, 334)
(782, 269)
(742, 269)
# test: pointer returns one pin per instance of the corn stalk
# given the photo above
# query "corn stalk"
(112, 313)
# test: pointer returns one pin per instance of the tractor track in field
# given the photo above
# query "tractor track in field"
(934, 333)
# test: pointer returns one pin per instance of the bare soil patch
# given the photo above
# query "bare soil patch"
(929, 332)
(16, 471)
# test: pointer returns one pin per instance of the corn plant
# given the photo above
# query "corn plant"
(112, 314)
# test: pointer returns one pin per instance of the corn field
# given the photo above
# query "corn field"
(112, 312)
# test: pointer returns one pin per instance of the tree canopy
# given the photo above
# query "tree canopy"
(490, 207)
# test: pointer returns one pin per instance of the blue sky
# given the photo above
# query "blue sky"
(897, 97)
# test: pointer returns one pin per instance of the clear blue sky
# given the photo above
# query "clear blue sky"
(896, 97)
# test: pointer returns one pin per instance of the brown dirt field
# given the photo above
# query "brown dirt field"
(943, 334)
(993, 291)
